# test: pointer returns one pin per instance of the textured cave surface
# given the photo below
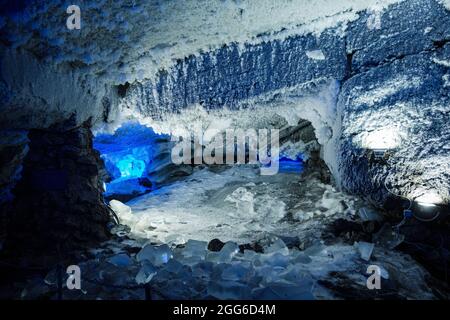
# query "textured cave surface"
(58, 194)
(227, 64)
(376, 71)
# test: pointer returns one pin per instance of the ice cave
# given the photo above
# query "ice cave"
(225, 149)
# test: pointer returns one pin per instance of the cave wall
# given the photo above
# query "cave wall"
(58, 202)
(13, 150)
(44, 81)
(235, 72)
(399, 80)
(391, 75)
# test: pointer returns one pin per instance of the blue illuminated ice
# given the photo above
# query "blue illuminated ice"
(130, 167)
(127, 154)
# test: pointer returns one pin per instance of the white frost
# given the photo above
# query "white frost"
(315, 55)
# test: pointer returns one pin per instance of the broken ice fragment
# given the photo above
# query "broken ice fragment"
(384, 273)
(238, 271)
(367, 214)
(302, 215)
(174, 239)
(315, 249)
(203, 269)
(365, 249)
(300, 257)
(228, 251)
(277, 246)
(146, 273)
(301, 291)
(173, 266)
(157, 255)
(120, 260)
(275, 259)
(227, 290)
(243, 200)
(195, 248)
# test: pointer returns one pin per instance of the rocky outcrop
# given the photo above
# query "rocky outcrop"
(58, 203)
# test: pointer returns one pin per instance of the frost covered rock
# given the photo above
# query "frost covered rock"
(195, 248)
(402, 107)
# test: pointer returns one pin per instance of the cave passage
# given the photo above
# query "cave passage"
(128, 155)
(230, 202)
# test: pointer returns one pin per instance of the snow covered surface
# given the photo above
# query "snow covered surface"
(270, 248)
(168, 245)
(236, 204)
(316, 55)
(446, 3)
(145, 36)
(120, 42)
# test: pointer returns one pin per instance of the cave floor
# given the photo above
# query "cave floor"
(275, 237)
(237, 204)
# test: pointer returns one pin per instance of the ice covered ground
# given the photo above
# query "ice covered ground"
(236, 204)
(275, 243)
(272, 231)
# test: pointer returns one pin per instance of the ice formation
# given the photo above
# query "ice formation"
(236, 204)
(367, 75)
(131, 64)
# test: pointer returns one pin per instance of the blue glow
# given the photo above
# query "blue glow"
(131, 167)
(291, 166)
(127, 153)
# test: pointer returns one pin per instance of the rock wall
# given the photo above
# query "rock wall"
(234, 73)
(58, 204)
(13, 149)
(398, 86)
